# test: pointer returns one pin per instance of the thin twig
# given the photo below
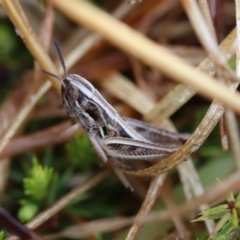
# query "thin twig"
(152, 194)
(233, 133)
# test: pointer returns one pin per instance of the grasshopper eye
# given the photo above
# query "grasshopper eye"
(71, 93)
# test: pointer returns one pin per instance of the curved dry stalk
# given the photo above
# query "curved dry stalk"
(150, 53)
(64, 201)
(195, 141)
(204, 129)
(198, 137)
(180, 94)
(206, 34)
(192, 185)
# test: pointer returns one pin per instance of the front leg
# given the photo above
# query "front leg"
(95, 140)
(97, 144)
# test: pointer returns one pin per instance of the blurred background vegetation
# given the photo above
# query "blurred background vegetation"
(38, 167)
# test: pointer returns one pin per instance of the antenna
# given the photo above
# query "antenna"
(61, 58)
(62, 63)
(55, 76)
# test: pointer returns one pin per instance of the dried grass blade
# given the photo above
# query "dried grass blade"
(207, 39)
(18, 18)
(177, 97)
(150, 53)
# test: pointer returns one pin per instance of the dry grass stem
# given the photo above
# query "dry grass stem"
(21, 116)
(208, 40)
(233, 130)
(238, 38)
(88, 41)
(90, 228)
(41, 139)
(202, 30)
(193, 187)
(119, 86)
(4, 172)
(150, 53)
(203, 4)
(20, 21)
(167, 192)
(180, 94)
(149, 201)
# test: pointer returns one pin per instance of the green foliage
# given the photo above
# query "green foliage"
(224, 232)
(229, 218)
(14, 57)
(214, 213)
(10, 47)
(81, 153)
(2, 235)
(7, 44)
(56, 188)
(232, 63)
(36, 185)
(28, 210)
(36, 188)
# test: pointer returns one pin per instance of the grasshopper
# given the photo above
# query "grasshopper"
(114, 138)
